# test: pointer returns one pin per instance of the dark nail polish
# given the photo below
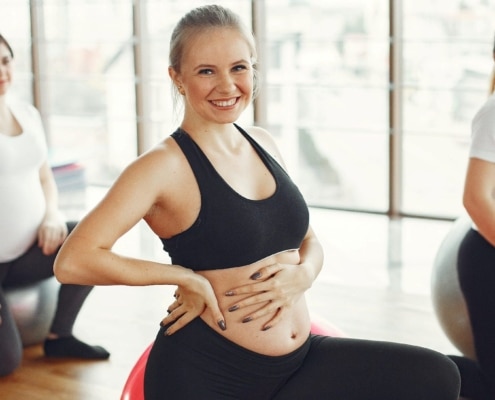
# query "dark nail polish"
(221, 324)
(233, 308)
(229, 293)
(161, 323)
(266, 328)
(255, 276)
(247, 319)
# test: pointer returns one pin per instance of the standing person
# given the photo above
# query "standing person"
(476, 257)
(31, 227)
(242, 251)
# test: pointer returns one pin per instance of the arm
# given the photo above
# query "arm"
(86, 257)
(479, 196)
(53, 229)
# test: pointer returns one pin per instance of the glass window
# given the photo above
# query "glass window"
(327, 84)
(447, 64)
(87, 84)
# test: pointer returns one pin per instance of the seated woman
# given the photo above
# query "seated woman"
(31, 227)
(243, 253)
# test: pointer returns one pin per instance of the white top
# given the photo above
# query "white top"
(483, 132)
(22, 202)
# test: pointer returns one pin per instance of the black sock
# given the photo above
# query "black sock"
(70, 347)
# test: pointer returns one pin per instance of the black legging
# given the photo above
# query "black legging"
(476, 268)
(197, 363)
(31, 267)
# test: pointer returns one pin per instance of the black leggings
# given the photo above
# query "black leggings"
(476, 268)
(198, 363)
(31, 267)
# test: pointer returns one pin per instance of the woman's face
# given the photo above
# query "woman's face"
(216, 76)
(6, 69)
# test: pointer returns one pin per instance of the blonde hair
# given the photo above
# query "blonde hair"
(200, 20)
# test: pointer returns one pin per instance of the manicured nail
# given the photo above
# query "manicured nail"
(229, 293)
(162, 324)
(233, 308)
(247, 319)
(221, 324)
(265, 328)
(255, 276)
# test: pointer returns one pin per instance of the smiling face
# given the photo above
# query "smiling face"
(6, 69)
(216, 76)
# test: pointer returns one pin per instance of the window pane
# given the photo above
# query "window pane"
(328, 98)
(87, 76)
(447, 64)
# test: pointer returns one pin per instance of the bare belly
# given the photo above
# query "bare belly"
(283, 337)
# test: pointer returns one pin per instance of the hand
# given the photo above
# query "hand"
(190, 302)
(277, 287)
(51, 234)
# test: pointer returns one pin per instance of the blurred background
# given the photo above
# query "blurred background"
(371, 100)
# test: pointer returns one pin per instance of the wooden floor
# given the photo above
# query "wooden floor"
(375, 285)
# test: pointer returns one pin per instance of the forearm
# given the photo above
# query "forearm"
(81, 266)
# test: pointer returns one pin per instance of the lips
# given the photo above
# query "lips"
(224, 103)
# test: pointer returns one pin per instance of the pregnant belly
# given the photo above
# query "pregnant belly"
(284, 336)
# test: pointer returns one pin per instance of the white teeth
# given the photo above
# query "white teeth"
(226, 103)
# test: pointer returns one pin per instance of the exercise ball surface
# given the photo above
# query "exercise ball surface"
(448, 301)
(33, 307)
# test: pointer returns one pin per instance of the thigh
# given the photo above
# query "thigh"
(353, 369)
(32, 266)
(476, 267)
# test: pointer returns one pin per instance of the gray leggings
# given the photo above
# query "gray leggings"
(31, 267)
(197, 363)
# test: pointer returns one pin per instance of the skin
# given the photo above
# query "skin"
(53, 229)
(479, 195)
(260, 306)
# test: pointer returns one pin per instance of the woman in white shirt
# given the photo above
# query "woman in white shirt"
(476, 257)
(31, 227)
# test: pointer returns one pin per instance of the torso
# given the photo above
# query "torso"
(178, 209)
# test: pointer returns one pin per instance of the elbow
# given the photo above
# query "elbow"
(62, 269)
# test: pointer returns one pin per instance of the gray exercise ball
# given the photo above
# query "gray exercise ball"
(33, 307)
(448, 300)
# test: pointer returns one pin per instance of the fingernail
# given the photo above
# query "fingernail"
(162, 324)
(168, 311)
(265, 328)
(233, 308)
(229, 293)
(255, 276)
(221, 324)
(247, 319)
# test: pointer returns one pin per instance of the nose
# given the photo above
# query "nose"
(226, 83)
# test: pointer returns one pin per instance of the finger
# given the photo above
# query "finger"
(251, 300)
(218, 316)
(246, 289)
(173, 316)
(269, 308)
(180, 323)
(274, 321)
(266, 272)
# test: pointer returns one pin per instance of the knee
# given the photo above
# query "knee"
(444, 376)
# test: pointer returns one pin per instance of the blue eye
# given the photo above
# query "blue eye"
(205, 71)
(240, 68)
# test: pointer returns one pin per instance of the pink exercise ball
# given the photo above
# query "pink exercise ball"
(448, 301)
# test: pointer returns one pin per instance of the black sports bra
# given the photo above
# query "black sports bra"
(232, 230)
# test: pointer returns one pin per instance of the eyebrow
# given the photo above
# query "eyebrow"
(241, 61)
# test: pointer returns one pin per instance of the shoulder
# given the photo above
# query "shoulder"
(265, 139)
(160, 165)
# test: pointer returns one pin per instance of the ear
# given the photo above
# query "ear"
(175, 76)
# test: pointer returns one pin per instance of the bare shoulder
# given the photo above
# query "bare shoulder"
(266, 140)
